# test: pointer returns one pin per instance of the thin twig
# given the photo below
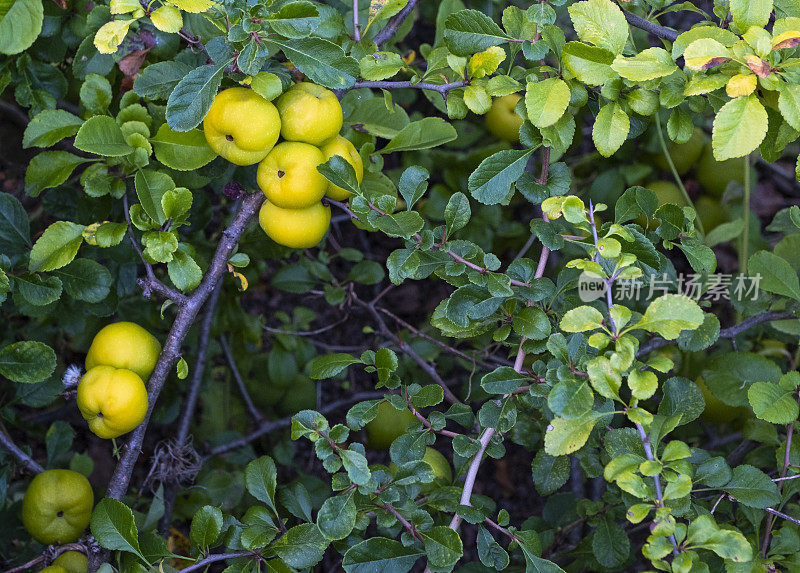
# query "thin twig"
(199, 366)
(248, 401)
(388, 507)
(388, 31)
(388, 85)
(151, 283)
(271, 426)
(201, 565)
(28, 462)
(730, 332)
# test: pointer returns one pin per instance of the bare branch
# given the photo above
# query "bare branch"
(28, 462)
(387, 85)
(203, 564)
(651, 27)
(248, 401)
(356, 26)
(271, 426)
(180, 328)
(199, 365)
(388, 31)
(730, 332)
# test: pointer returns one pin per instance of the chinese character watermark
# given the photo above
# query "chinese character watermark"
(712, 288)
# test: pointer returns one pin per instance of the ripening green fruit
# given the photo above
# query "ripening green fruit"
(300, 395)
(57, 506)
(716, 410)
(501, 119)
(684, 155)
(711, 212)
(715, 175)
(72, 562)
(387, 426)
(666, 192)
(439, 465)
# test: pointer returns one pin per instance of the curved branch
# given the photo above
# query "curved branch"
(28, 462)
(203, 564)
(237, 377)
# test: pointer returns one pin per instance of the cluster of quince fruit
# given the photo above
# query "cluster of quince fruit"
(244, 128)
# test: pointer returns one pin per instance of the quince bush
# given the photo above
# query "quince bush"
(391, 285)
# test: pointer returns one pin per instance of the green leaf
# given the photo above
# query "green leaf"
(404, 224)
(56, 247)
(86, 280)
(729, 544)
(457, 213)
(373, 116)
(570, 399)
(566, 436)
(648, 64)
(260, 476)
(49, 127)
(706, 53)
(668, 315)
(267, 85)
(380, 554)
(337, 516)
(739, 128)
(532, 323)
(158, 80)
(27, 362)
(356, 466)
(413, 183)
(789, 104)
(421, 134)
(442, 545)
(380, 65)
(549, 473)
(150, 188)
(192, 97)
(503, 380)
(37, 289)
(15, 234)
(50, 169)
(610, 129)
(748, 13)
(206, 526)
(330, 365)
(468, 32)
(20, 24)
(324, 62)
(589, 64)
(96, 94)
(491, 182)
(101, 135)
(610, 544)
(773, 402)
(340, 172)
(777, 275)
(681, 397)
(182, 151)
(581, 319)
(183, 270)
(114, 528)
(546, 101)
(600, 22)
(752, 487)
(302, 546)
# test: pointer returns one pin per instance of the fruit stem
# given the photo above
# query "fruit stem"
(746, 217)
(677, 176)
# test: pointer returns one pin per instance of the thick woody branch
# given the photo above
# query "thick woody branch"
(651, 27)
(28, 462)
(388, 31)
(180, 328)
